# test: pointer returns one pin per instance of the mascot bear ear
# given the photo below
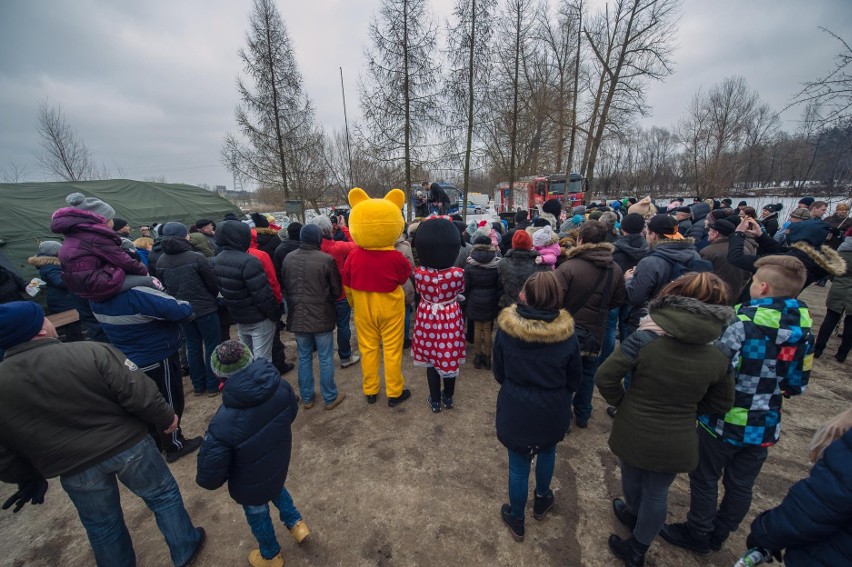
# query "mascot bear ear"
(358, 195)
(395, 196)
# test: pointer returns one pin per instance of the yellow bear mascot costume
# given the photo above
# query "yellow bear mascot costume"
(372, 278)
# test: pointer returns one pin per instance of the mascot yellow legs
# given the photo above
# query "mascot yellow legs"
(380, 321)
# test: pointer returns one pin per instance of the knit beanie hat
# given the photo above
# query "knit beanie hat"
(643, 207)
(259, 220)
(480, 238)
(471, 228)
(615, 205)
(726, 202)
(175, 229)
(49, 248)
(579, 210)
(311, 234)
(293, 230)
(20, 321)
(521, 215)
(742, 204)
(813, 231)
(633, 223)
(118, 224)
(80, 201)
(479, 233)
(522, 241)
(806, 201)
(229, 358)
(542, 236)
(552, 206)
(595, 215)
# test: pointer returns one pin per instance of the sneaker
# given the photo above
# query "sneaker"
(189, 446)
(213, 393)
(393, 402)
(542, 505)
(300, 531)
(516, 527)
(337, 401)
(288, 366)
(198, 393)
(308, 405)
(683, 536)
(372, 398)
(622, 512)
(256, 560)
(198, 548)
(611, 411)
(448, 402)
(436, 406)
(347, 362)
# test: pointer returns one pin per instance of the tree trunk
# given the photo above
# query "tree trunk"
(515, 88)
(407, 95)
(575, 95)
(469, 144)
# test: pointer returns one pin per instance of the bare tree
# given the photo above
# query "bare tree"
(64, 153)
(276, 121)
(398, 95)
(832, 92)
(13, 173)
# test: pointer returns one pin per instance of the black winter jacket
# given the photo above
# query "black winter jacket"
(248, 441)
(281, 252)
(482, 287)
(153, 256)
(514, 269)
(537, 362)
(188, 275)
(814, 521)
(267, 240)
(629, 249)
(242, 281)
(12, 286)
(311, 287)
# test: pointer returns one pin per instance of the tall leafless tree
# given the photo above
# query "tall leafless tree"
(832, 92)
(64, 153)
(13, 173)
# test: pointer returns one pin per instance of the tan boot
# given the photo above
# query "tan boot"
(257, 560)
(300, 531)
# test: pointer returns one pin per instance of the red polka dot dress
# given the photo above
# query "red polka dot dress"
(438, 338)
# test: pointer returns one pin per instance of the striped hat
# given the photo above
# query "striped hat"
(229, 358)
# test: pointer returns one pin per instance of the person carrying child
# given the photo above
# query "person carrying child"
(248, 444)
(546, 243)
(772, 350)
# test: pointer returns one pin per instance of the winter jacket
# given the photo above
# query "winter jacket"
(536, 360)
(153, 256)
(579, 274)
(814, 521)
(550, 253)
(464, 254)
(12, 286)
(514, 269)
(243, 283)
(312, 286)
(59, 299)
(482, 287)
(267, 240)
(281, 252)
(339, 250)
(200, 244)
(771, 347)
(188, 275)
(248, 441)
(629, 249)
(269, 270)
(770, 224)
(676, 376)
(840, 226)
(67, 407)
(141, 323)
(736, 278)
(699, 222)
(404, 247)
(839, 297)
(93, 263)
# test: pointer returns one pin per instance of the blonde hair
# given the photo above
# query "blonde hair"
(706, 287)
(144, 242)
(785, 275)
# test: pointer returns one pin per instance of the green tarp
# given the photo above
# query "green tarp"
(26, 208)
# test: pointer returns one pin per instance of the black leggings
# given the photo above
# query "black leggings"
(832, 318)
(435, 385)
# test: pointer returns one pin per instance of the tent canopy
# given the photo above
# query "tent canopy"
(26, 209)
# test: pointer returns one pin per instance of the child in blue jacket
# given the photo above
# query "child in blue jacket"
(248, 445)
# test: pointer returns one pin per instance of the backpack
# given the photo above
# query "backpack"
(696, 264)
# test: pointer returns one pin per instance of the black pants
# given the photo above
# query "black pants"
(832, 318)
(738, 466)
(434, 380)
(167, 375)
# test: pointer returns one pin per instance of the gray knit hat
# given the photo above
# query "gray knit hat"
(80, 201)
(49, 248)
(229, 358)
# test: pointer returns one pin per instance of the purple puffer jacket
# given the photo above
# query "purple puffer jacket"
(93, 263)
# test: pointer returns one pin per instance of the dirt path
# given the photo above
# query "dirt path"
(381, 486)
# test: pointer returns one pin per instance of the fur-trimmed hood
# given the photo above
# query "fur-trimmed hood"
(599, 253)
(39, 261)
(824, 257)
(483, 255)
(264, 230)
(689, 320)
(528, 330)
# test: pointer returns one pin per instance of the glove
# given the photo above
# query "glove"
(751, 543)
(32, 491)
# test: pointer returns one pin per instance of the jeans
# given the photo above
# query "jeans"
(258, 337)
(202, 337)
(408, 310)
(261, 525)
(741, 465)
(646, 494)
(611, 331)
(519, 476)
(95, 494)
(344, 333)
(582, 398)
(325, 351)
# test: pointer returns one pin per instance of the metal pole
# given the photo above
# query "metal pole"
(346, 122)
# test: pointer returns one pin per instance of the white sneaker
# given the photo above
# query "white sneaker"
(347, 362)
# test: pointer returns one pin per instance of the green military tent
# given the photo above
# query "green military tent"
(26, 208)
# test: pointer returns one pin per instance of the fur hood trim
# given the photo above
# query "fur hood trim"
(264, 230)
(535, 331)
(39, 261)
(825, 257)
(484, 248)
(573, 251)
(722, 313)
(685, 242)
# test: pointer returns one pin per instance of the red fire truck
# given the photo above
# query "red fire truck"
(532, 192)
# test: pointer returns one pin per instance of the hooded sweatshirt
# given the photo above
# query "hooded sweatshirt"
(629, 249)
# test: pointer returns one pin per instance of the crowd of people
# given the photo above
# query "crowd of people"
(612, 296)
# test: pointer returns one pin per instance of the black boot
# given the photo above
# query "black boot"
(717, 538)
(542, 505)
(683, 536)
(628, 550)
(477, 361)
(842, 353)
(623, 513)
(486, 361)
(516, 527)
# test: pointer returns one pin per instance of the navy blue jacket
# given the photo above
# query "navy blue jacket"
(814, 521)
(248, 441)
(59, 299)
(537, 363)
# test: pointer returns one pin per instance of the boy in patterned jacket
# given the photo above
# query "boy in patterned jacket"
(771, 347)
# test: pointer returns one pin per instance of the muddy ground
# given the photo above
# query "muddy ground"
(382, 486)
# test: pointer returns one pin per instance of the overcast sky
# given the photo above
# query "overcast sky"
(150, 86)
